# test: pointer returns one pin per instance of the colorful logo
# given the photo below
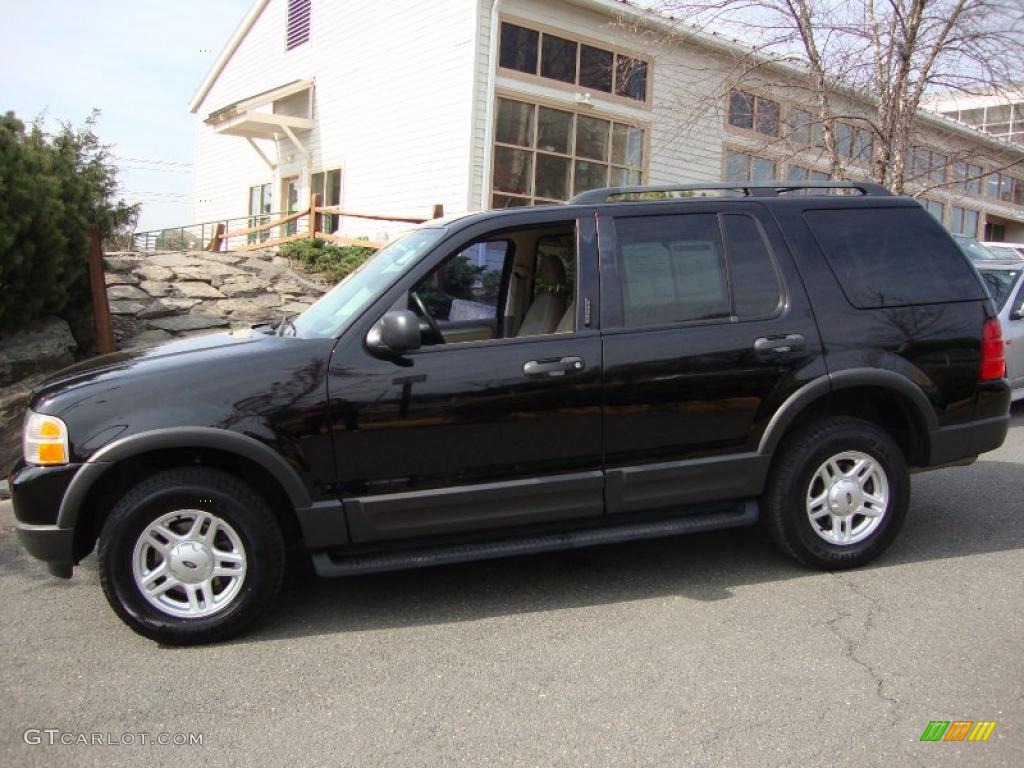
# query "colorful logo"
(958, 730)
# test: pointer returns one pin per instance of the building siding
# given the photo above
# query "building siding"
(403, 104)
(393, 99)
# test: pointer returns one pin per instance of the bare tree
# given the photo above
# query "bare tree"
(865, 64)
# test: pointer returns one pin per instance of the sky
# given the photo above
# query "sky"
(139, 62)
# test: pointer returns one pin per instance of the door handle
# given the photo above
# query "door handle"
(780, 345)
(556, 366)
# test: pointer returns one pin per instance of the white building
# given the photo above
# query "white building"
(393, 107)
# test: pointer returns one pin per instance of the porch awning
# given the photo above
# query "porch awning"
(262, 125)
(272, 114)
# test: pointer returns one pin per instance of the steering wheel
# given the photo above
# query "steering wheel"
(434, 332)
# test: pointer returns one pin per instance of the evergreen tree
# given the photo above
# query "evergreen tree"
(52, 187)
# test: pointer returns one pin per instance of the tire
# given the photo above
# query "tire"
(205, 545)
(838, 493)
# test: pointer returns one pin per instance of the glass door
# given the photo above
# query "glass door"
(290, 195)
(261, 202)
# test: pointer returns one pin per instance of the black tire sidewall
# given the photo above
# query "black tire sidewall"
(150, 501)
(797, 528)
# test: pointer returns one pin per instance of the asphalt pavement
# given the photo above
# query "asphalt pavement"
(708, 650)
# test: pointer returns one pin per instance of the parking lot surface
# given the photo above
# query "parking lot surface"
(703, 650)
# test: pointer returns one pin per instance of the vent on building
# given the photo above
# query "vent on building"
(298, 23)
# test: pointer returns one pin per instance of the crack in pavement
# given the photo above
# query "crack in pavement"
(852, 645)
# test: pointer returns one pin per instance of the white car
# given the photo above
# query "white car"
(1005, 283)
(1006, 250)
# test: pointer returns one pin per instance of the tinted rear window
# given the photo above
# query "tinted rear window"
(892, 257)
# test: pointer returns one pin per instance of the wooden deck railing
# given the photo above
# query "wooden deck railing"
(313, 218)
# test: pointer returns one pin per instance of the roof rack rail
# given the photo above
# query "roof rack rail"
(762, 189)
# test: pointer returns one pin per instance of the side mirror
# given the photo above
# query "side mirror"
(1018, 313)
(395, 334)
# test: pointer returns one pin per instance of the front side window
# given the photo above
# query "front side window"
(547, 155)
(510, 284)
(466, 286)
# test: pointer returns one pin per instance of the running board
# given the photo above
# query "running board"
(340, 564)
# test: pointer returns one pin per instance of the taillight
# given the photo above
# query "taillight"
(993, 359)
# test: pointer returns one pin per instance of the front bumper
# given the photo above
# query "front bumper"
(55, 546)
(37, 494)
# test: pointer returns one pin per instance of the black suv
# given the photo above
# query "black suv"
(639, 362)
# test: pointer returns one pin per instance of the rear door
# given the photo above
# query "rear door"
(706, 331)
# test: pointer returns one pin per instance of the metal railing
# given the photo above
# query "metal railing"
(196, 237)
(266, 230)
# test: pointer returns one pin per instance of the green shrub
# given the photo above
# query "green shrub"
(327, 260)
(54, 186)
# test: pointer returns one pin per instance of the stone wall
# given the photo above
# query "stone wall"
(158, 296)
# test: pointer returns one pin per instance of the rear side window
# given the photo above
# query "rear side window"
(755, 283)
(690, 267)
(892, 257)
(673, 269)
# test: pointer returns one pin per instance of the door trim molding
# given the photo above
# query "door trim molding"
(475, 507)
(681, 483)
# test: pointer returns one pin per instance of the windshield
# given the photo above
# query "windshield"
(974, 250)
(333, 313)
(1003, 252)
(1000, 284)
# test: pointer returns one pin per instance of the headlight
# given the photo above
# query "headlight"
(46, 440)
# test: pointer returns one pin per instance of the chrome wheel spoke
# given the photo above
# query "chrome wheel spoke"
(193, 597)
(195, 531)
(870, 511)
(860, 470)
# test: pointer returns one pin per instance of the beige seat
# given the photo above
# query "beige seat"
(548, 308)
(568, 321)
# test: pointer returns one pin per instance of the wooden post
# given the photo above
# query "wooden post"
(98, 287)
(218, 238)
(316, 223)
(438, 211)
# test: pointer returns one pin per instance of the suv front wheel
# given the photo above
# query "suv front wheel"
(191, 555)
(838, 493)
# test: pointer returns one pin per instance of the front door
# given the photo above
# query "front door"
(706, 332)
(495, 424)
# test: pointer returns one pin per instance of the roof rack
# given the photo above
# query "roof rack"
(769, 189)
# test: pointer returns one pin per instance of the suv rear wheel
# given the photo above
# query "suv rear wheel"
(838, 494)
(191, 555)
